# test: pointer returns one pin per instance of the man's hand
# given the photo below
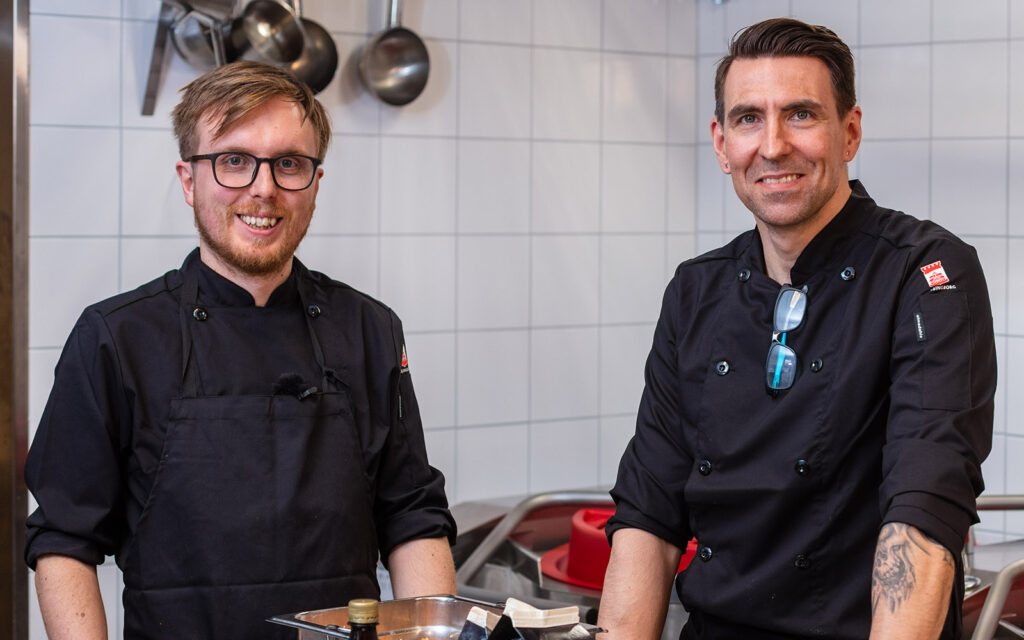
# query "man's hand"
(911, 584)
(637, 585)
(69, 598)
(422, 568)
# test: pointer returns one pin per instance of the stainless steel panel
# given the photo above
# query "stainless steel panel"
(13, 314)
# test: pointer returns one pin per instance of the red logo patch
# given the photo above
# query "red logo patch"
(934, 274)
(405, 360)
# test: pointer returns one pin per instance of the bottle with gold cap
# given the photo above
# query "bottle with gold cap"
(363, 615)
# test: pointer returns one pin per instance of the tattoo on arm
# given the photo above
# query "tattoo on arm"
(894, 575)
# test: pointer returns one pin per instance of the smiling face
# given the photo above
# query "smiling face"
(252, 232)
(784, 143)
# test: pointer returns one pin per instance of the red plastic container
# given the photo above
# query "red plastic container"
(583, 560)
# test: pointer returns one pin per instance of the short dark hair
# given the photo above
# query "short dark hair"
(228, 93)
(781, 37)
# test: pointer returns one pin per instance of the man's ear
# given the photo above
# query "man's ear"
(184, 170)
(853, 132)
(718, 138)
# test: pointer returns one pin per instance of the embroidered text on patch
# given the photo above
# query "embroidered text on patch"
(934, 274)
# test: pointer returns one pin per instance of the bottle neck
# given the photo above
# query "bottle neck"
(363, 631)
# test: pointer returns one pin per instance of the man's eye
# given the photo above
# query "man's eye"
(802, 115)
(233, 160)
(747, 119)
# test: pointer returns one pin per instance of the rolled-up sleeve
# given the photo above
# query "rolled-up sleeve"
(72, 467)
(943, 380)
(648, 491)
(411, 502)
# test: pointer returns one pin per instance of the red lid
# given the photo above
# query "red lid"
(583, 560)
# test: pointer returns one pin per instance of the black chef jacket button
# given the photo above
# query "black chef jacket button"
(802, 562)
(802, 467)
(199, 314)
(313, 311)
(704, 467)
(705, 553)
(816, 365)
(849, 273)
(722, 367)
(743, 275)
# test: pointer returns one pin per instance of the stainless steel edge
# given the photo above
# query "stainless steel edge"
(1001, 502)
(988, 620)
(14, 168)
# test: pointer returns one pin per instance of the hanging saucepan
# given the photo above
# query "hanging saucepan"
(267, 31)
(319, 59)
(199, 39)
(394, 65)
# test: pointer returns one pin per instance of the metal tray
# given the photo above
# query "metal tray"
(426, 618)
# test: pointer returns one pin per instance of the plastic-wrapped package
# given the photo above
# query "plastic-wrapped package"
(521, 621)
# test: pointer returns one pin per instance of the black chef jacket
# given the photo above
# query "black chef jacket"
(95, 455)
(888, 420)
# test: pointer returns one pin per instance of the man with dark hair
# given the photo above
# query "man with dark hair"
(818, 398)
(241, 433)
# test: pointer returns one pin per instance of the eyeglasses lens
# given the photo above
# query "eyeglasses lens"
(780, 368)
(789, 310)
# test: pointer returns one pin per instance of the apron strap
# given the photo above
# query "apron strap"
(310, 311)
(188, 308)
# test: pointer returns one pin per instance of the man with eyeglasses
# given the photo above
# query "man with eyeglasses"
(241, 433)
(819, 396)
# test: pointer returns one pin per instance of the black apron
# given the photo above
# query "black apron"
(260, 506)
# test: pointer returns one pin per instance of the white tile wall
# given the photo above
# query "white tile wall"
(567, 23)
(524, 214)
(493, 282)
(969, 89)
(633, 188)
(894, 174)
(980, 164)
(636, 26)
(566, 94)
(563, 452)
(981, 19)
(494, 186)
(888, 22)
(893, 91)
(58, 152)
(634, 98)
(492, 372)
(564, 287)
(566, 187)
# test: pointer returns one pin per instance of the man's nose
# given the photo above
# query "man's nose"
(264, 184)
(775, 143)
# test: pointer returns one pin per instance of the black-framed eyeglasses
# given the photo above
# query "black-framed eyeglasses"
(237, 169)
(780, 367)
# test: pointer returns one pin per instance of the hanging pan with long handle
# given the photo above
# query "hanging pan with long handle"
(394, 65)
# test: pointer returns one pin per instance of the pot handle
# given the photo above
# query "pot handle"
(394, 14)
(156, 62)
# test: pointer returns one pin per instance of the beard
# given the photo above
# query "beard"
(257, 256)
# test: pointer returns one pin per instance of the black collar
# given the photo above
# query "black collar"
(216, 290)
(828, 248)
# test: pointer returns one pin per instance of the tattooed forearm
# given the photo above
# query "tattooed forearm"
(901, 550)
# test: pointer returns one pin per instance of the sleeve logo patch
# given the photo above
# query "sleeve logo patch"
(405, 361)
(935, 274)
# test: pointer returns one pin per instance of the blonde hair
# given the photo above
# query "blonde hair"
(230, 92)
